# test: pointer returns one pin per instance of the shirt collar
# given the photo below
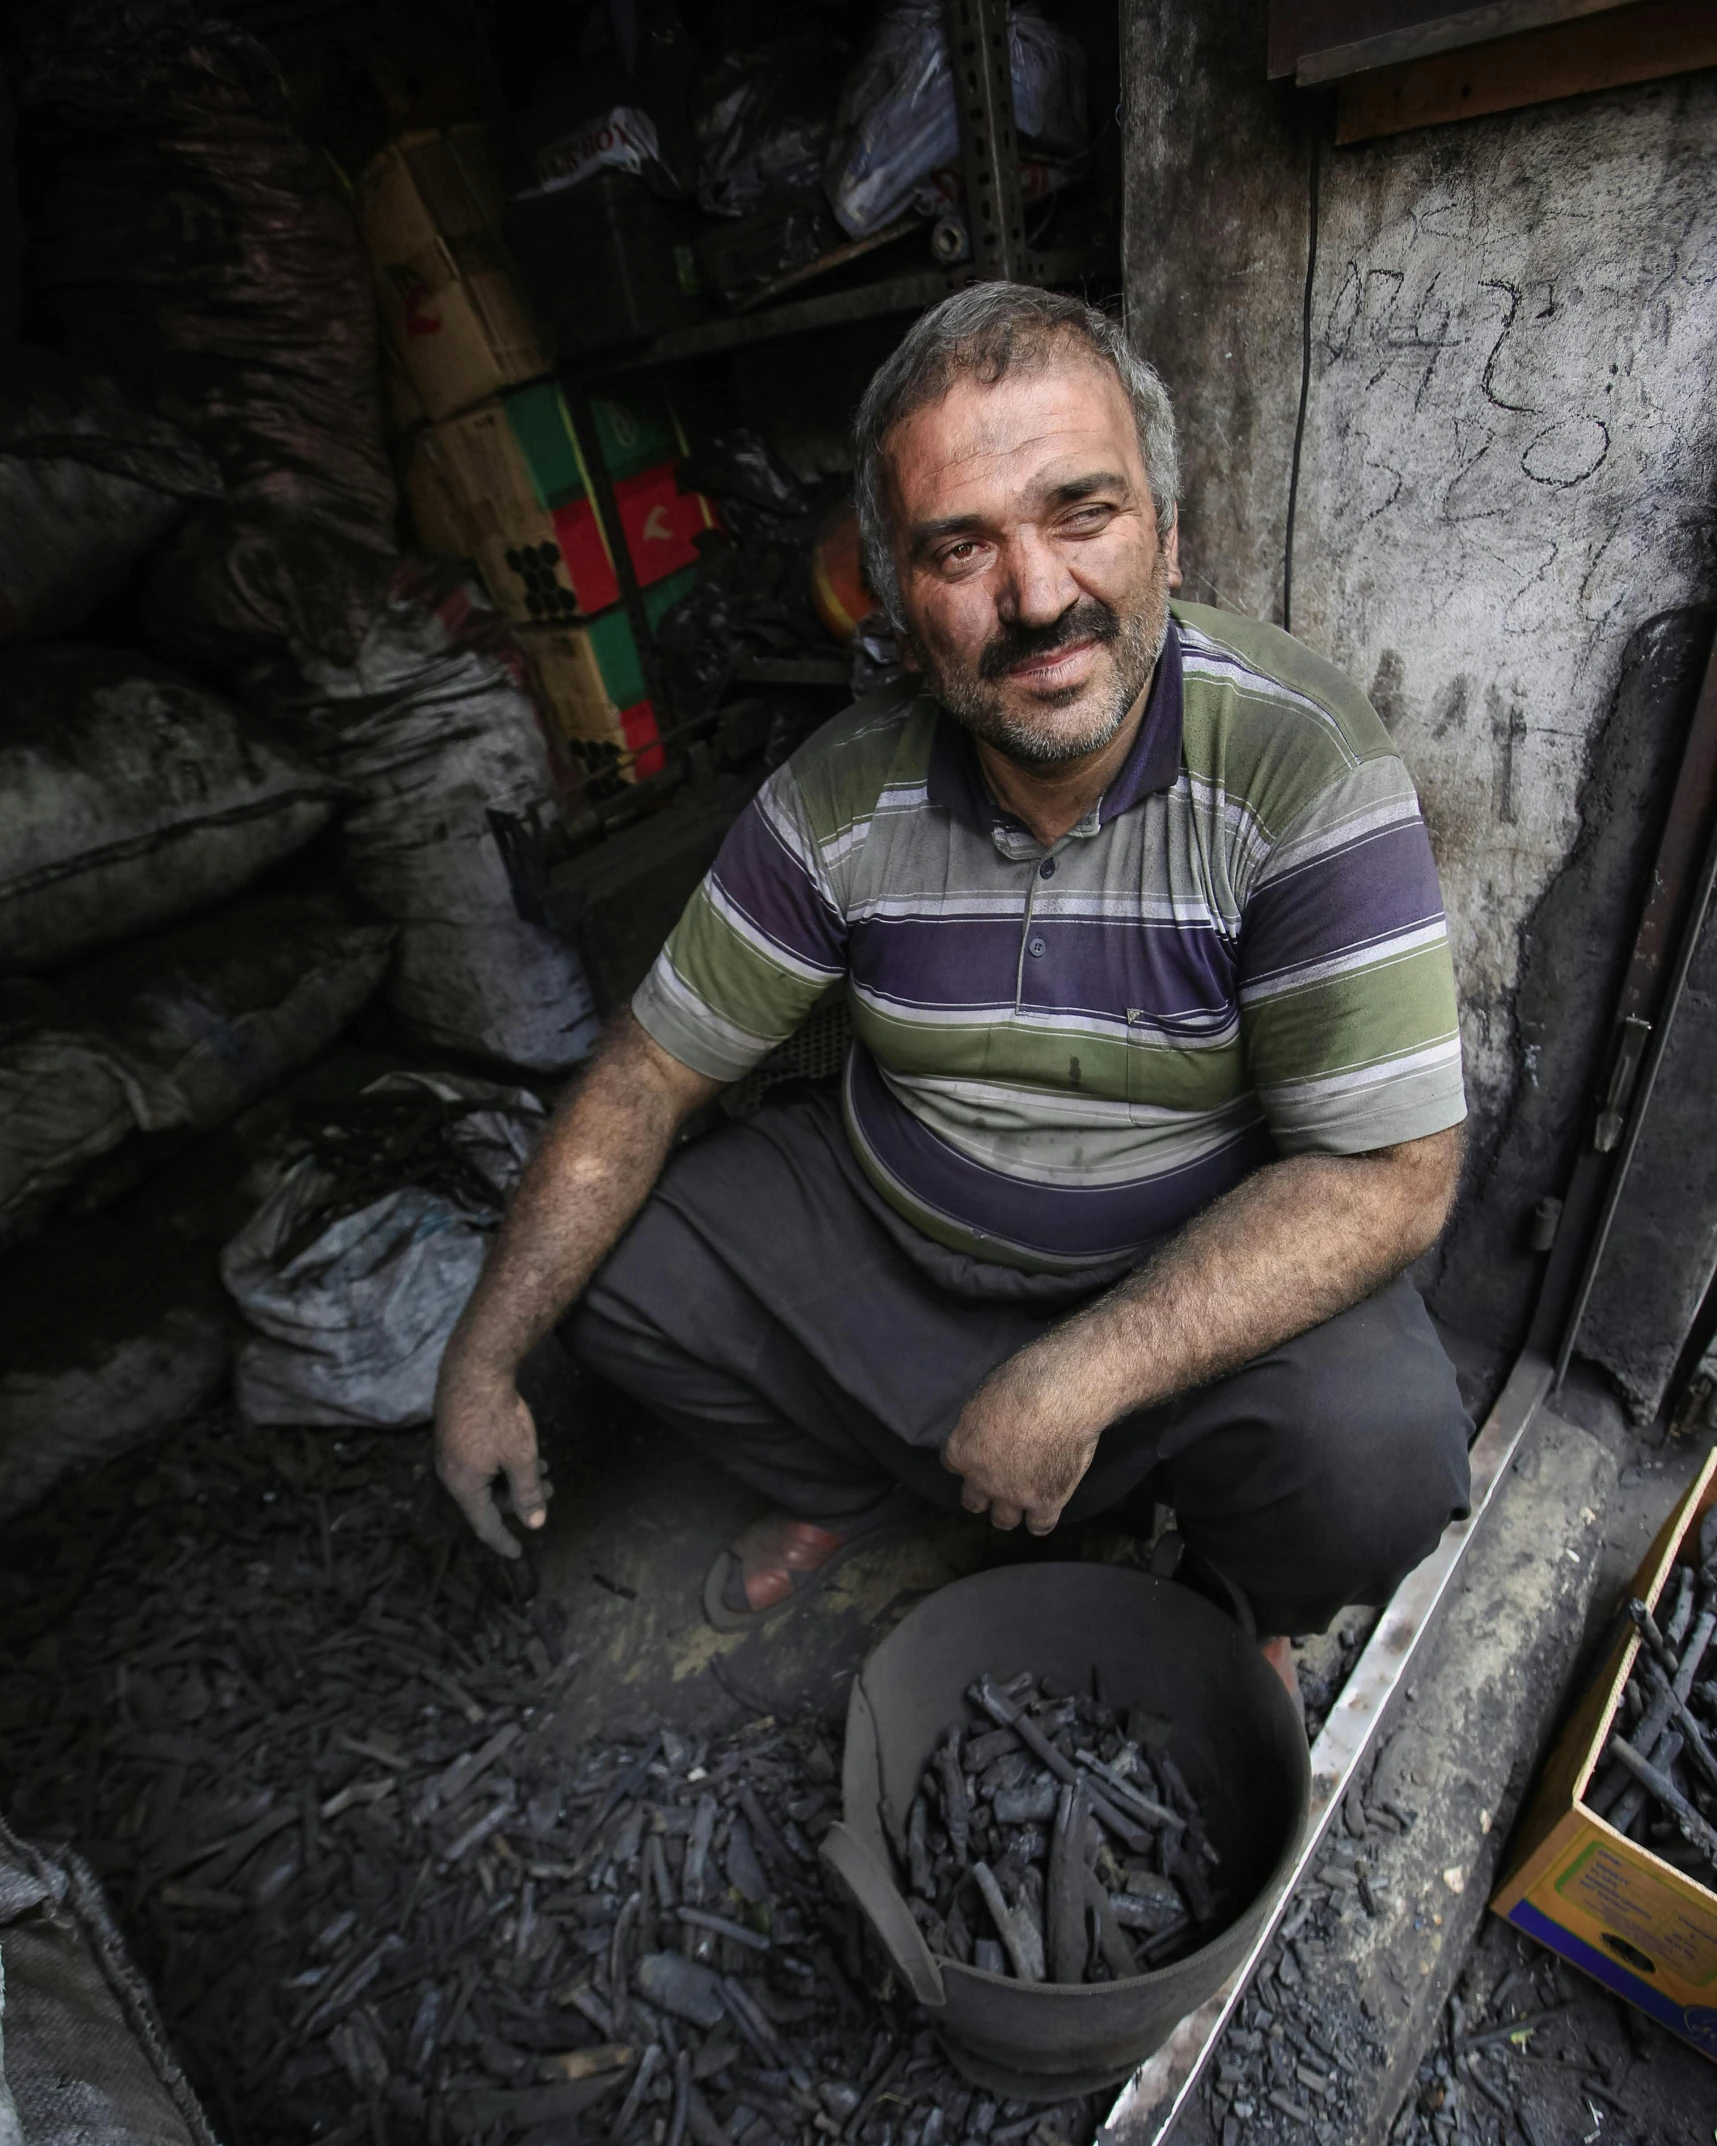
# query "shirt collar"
(956, 784)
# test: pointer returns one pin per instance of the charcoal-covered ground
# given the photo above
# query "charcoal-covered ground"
(1530, 2050)
(314, 1741)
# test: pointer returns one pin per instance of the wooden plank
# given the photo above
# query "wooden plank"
(1326, 40)
(1635, 44)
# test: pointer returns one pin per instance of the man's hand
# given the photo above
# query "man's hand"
(1297, 1242)
(482, 1430)
(1020, 1451)
(588, 1178)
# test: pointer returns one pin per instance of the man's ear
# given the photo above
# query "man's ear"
(1171, 551)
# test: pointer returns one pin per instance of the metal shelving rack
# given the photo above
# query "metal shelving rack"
(989, 157)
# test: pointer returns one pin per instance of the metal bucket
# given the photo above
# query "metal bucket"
(1150, 1643)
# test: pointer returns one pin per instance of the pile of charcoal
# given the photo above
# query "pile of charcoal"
(1051, 1841)
(316, 1743)
(1660, 1785)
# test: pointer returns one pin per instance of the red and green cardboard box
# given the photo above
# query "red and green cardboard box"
(594, 686)
(1631, 1920)
(516, 477)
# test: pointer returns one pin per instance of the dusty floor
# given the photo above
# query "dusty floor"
(236, 1654)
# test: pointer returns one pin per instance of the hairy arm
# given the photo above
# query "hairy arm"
(1299, 1241)
(603, 1151)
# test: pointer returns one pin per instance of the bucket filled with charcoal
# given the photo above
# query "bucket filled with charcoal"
(1071, 1796)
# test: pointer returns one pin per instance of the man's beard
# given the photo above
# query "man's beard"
(1135, 639)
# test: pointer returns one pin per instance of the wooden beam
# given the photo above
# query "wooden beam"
(1325, 40)
(1635, 44)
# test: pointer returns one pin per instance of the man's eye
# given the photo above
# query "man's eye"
(1092, 517)
(958, 554)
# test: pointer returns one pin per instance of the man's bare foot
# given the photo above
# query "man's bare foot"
(1279, 1653)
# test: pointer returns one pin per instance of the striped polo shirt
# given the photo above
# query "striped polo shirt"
(1060, 1054)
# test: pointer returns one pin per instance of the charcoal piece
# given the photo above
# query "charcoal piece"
(1693, 1735)
(720, 1926)
(1066, 1892)
(956, 1808)
(1131, 1798)
(743, 2010)
(988, 1957)
(990, 1698)
(702, 2123)
(744, 1871)
(1027, 1806)
(682, 2099)
(763, 1833)
(1148, 1903)
(1020, 1937)
(1051, 1716)
(1695, 1828)
(1681, 1615)
(1111, 1940)
(420, 2041)
(983, 1750)
(697, 1850)
(1184, 1867)
(1010, 1772)
(681, 1987)
(958, 1935)
(917, 1849)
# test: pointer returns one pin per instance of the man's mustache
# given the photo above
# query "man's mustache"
(1088, 619)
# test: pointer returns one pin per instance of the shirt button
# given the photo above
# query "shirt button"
(1046, 870)
(1036, 946)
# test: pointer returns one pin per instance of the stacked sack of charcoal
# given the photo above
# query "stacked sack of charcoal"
(258, 771)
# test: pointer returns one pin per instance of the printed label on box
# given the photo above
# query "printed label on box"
(588, 565)
(1632, 1902)
(661, 523)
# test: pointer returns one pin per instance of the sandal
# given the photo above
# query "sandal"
(777, 1562)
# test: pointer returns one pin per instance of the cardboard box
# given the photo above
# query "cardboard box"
(430, 208)
(593, 685)
(1604, 1902)
(520, 481)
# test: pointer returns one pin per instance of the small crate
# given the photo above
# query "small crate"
(430, 208)
(520, 476)
(1606, 1903)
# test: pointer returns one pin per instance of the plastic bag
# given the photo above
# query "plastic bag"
(759, 496)
(69, 1095)
(130, 797)
(185, 238)
(354, 1306)
(107, 1073)
(90, 480)
(435, 731)
(107, 1336)
(235, 582)
(621, 140)
(182, 234)
(225, 1010)
(761, 123)
(86, 2058)
(896, 123)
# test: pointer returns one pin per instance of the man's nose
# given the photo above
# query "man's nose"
(1038, 587)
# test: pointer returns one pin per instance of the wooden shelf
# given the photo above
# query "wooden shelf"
(838, 309)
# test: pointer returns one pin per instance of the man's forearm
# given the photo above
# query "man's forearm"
(598, 1160)
(1298, 1242)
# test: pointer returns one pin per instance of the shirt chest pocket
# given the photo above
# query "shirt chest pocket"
(1184, 1061)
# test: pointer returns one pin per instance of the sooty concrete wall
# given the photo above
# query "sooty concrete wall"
(1508, 449)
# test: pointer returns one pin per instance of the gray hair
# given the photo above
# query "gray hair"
(988, 331)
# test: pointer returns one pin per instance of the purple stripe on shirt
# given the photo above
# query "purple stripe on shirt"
(1175, 973)
(767, 884)
(1055, 1221)
(1359, 895)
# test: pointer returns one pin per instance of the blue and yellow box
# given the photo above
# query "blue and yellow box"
(1606, 1903)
